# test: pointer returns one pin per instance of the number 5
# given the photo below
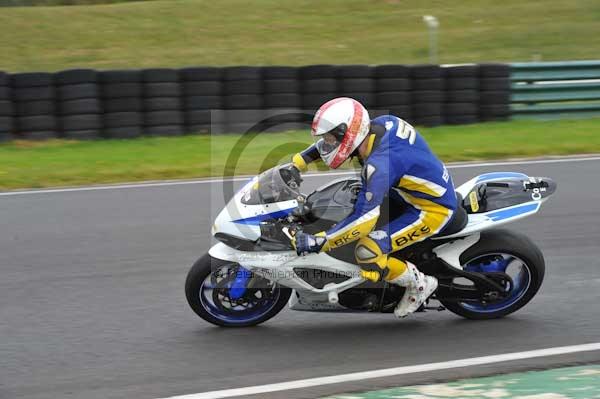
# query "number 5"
(406, 131)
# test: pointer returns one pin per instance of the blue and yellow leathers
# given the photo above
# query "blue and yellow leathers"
(401, 166)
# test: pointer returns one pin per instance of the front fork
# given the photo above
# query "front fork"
(239, 285)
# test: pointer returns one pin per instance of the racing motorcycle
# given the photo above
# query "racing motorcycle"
(252, 273)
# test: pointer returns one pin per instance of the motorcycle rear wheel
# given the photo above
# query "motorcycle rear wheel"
(496, 251)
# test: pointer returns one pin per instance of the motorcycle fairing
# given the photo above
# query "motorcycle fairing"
(243, 220)
(478, 222)
(279, 266)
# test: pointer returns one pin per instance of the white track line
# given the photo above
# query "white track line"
(242, 178)
(396, 371)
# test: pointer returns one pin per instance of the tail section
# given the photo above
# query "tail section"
(493, 199)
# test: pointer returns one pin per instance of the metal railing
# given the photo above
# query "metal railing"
(555, 90)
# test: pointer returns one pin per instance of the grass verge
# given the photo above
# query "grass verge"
(32, 3)
(61, 163)
(293, 32)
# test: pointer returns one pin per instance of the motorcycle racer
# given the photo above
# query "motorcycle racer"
(396, 164)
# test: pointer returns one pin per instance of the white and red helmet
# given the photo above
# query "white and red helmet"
(338, 128)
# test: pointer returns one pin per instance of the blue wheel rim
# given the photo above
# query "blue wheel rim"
(217, 305)
(506, 263)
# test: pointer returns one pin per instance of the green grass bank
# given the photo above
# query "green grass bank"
(293, 32)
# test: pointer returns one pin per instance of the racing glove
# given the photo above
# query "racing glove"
(308, 243)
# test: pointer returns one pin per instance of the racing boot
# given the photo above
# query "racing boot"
(418, 286)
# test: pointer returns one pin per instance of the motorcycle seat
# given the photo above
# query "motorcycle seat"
(459, 219)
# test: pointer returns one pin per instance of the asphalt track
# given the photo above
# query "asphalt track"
(92, 302)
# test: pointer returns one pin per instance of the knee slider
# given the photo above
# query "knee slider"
(370, 258)
(367, 251)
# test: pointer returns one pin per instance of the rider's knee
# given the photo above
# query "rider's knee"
(372, 260)
(368, 251)
(375, 264)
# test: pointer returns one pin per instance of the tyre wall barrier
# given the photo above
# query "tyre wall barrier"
(88, 104)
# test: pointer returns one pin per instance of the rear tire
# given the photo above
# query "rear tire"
(196, 278)
(502, 242)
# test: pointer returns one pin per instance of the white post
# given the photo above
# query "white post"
(432, 25)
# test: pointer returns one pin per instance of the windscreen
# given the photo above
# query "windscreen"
(281, 183)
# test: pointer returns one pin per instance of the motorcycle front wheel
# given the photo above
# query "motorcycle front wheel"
(209, 292)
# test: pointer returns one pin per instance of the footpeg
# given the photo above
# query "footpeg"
(332, 296)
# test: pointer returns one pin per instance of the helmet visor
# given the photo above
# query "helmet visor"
(328, 143)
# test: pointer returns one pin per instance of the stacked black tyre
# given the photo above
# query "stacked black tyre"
(427, 95)
(35, 99)
(494, 92)
(78, 104)
(462, 94)
(243, 98)
(358, 82)
(318, 84)
(202, 99)
(282, 101)
(121, 93)
(161, 91)
(393, 86)
(6, 108)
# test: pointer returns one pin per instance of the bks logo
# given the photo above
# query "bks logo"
(354, 234)
(412, 236)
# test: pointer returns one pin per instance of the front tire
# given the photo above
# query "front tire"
(207, 293)
(495, 250)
